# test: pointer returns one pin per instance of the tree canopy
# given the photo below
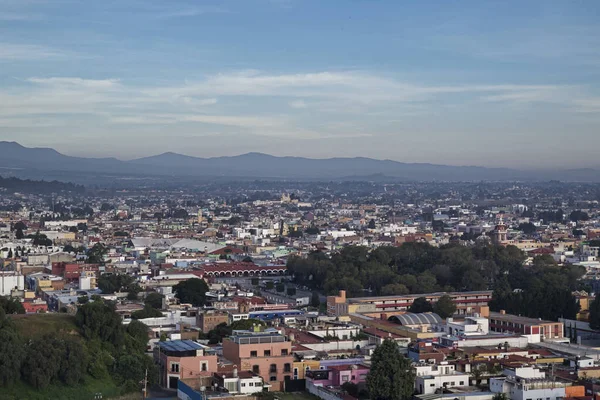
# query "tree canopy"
(542, 290)
(420, 305)
(391, 376)
(223, 330)
(191, 291)
(104, 350)
(444, 307)
(419, 267)
(595, 313)
(154, 300)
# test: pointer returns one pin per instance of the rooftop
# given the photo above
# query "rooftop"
(179, 345)
(519, 319)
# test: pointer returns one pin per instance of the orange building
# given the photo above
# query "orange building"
(265, 353)
(183, 359)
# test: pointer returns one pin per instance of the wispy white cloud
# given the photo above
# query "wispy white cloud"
(76, 82)
(187, 12)
(298, 104)
(338, 98)
(18, 52)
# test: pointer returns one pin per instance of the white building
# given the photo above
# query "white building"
(244, 382)
(528, 383)
(431, 378)
(341, 234)
(10, 280)
(469, 326)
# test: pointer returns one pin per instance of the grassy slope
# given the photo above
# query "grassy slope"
(36, 325)
(85, 391)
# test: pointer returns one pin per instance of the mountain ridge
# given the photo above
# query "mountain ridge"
(264, 166)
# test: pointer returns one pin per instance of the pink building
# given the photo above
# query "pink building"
(178, 359)
(267, 354)
(337, 375)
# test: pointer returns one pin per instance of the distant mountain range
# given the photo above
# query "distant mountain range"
(46, 163)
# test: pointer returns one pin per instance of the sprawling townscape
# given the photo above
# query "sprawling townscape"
(481, 290)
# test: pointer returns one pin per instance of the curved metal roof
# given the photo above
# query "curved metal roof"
(417, 319)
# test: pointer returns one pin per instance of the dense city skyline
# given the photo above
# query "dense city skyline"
(501, 84)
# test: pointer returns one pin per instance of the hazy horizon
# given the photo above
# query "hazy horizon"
(506, 84)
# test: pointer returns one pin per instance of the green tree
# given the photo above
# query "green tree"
(595, 313)
(280, 287)
(41, 364)
(11, 305)
(270, 285)
(315, 300)
(19, 234)
(19, 225)
(223, 330)
(500, 396)
(73, 363)
(420, 305)
(394, 289)
(291, 291)
(99, 320)
(578, 215)
(12, 352)
(445, 306)
(96, 254)
(118, 283)
(391, 376)
(147, 312)
(527, 228)
(351, 388)
(154, 300)
(138, 332)
(191, 291)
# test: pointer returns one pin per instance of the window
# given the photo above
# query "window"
(243, 384)
(175, 367)
(204, 366)
(256, 369)
(253, 353)
(267, 353)
(284, 352)
(273, 368)
(287, 367)
(462, 383)
(258, 384)
(251, 384)
(433, 385)
(230, 386)
(287, 378)
(273, 378)
(344, 378)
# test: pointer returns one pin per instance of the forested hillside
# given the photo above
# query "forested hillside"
(45, 354)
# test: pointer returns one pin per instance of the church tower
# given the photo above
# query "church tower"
(500, 233)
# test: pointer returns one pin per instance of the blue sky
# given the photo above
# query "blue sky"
(495, 83)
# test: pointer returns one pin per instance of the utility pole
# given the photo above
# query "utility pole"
(145, 393)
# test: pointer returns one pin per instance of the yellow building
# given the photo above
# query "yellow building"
(300, 367)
